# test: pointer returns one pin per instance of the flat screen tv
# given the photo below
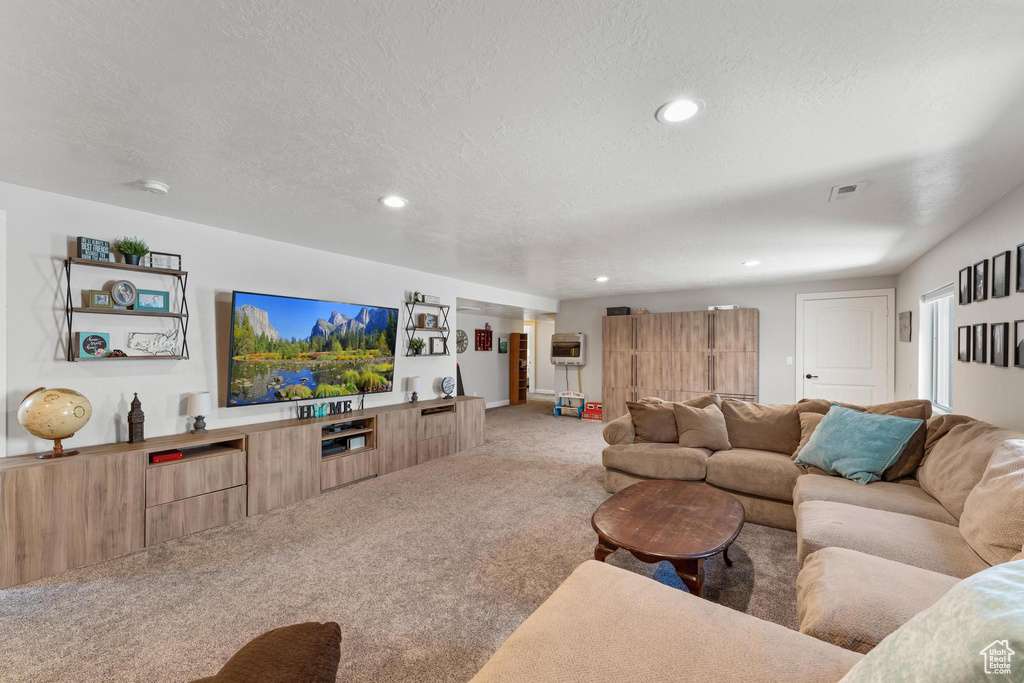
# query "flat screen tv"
(288, 349)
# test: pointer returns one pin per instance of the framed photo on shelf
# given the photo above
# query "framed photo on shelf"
(92, 249)
(1000, 342)
(1001, 275)
(93, 344)
(980, 281)
(965, 286)
(1018, 343)
(438, 346)
(980, 337)
(152, 300)
(158, 259)
(963, 344)
(100, 299)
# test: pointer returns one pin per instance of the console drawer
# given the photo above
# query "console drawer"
(347, 468)
(435, 448)
(183, 517)
(433, 426)
(179, 479)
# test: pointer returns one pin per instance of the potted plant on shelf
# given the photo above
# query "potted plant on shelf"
(417, 345)
(132, 248)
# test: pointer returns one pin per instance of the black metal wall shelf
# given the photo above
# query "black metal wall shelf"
(411, 329)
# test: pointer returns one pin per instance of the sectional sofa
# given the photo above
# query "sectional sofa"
(871, 556)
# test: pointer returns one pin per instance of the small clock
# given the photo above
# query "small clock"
(461, 341)
(124, 293)
(448, 386)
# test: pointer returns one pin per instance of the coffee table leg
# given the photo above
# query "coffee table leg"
(728, 562)
(691, 572)
(602, 550)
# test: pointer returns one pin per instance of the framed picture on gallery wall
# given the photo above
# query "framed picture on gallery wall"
(1018, 344)
(980, 281)
(965, 286)
(980, 338)
(1001, 275)
(963, 343)
(1000, 344)
(1020, 267)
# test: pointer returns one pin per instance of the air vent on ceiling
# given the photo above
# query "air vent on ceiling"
(843, 192)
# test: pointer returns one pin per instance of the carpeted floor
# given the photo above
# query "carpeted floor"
(427, 570)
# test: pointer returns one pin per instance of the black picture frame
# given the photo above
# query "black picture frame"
(980, 280)
(1020, 267)
(999, 345)
(963, 343)
(1018, 343)
(980, 338)
(1001, 275)
(966, 286)
(163, 260)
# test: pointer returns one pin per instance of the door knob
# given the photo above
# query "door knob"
(810, 376)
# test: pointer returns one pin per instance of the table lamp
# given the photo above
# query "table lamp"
(200, 404)
(413, 385)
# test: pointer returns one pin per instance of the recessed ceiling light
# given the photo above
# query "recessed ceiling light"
(154, 186)
(601, 278)
(679, 110)
(393, 201)
(751, 263)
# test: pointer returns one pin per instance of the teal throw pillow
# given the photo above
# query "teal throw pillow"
(858, 446)
(975, 632)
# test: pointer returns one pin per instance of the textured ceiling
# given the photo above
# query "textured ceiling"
(523, 133)
(493, 310)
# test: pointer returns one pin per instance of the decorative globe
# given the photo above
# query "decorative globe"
(54, 414)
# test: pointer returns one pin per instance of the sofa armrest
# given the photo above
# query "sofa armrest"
(619, 431)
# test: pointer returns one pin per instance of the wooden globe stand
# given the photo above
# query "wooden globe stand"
(57, 452)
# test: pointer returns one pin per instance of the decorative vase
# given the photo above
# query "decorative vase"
(131, 259)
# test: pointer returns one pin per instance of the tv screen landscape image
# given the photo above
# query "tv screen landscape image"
(288, 349)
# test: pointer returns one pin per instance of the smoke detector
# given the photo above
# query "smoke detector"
(844, 192)
(154, 186)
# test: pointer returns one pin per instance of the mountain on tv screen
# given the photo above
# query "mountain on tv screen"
(288, 349)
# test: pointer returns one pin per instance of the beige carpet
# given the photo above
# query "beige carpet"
(427, 570)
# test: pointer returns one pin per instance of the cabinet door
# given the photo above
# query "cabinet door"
(617, 338)
(735, 373)
(398, 439)
(614, 402)
(672, 352)
(284, 467)
(469, 418)
(735, 330)
(63, 514)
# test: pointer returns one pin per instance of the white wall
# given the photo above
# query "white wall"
(983, 391)
(777, 304)
(545, 382)
(41, 229)
(485, 373)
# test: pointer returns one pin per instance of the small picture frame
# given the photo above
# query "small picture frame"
(1020, 267)
(164, 261)
(980, 338)
(966, 289)
(963, 344)
(153, 300)
(93, 249)
(438, 346)
(93, 344)
(99, 298)
(905, 325)
(502, 344)
(428, 321)
(1018, 343)
(1001, 275)
(1000, 342)
(980, 281)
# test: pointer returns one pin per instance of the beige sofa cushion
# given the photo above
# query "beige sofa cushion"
(809, 421)
(701, 427)
(607, 624)
(838, 602)
(762, 427)
(880, 495)
(653, 422)
(619, 431)
(993, 518)
(911, 540)
(760, 473)
(955, 463)
(658, 460)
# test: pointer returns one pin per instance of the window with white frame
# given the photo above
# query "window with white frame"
(938, 337)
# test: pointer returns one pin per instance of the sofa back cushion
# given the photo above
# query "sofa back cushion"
(993, 518)
(701, 427)
(762, 427)
(956, 458)
(654, 419)
(809, 421)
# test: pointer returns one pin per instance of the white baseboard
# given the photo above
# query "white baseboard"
(496, 404)
(544, 391)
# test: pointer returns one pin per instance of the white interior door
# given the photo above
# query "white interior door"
(845, 347)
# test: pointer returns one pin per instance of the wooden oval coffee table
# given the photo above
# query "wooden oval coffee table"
(682, 522)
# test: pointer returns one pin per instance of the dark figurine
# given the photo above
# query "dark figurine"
(136, 422)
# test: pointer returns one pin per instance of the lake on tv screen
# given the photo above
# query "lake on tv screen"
(285, 349)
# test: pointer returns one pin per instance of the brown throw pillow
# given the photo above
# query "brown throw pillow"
(808, 423)
(307, 652)
(993, 518)
(762, 427)
(653, 422)
(702, 427)
(913, 453)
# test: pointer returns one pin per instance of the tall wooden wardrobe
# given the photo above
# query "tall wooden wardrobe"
(676, 356)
